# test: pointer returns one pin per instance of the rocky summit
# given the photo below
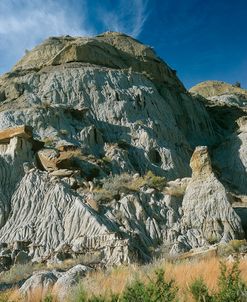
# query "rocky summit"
(105, 154)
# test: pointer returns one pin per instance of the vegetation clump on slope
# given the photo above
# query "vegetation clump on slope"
(124, 183)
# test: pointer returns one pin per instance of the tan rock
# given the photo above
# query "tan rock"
(48, 159)
(114, 50)
(200, 162)
(216, 88)
(23, 131)
(62, 173)
(53, 159)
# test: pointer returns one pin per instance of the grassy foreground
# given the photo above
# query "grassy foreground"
(205, 280)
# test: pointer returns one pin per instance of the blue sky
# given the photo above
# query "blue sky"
(201, 39)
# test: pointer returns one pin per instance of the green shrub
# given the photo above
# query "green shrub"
(200, 291)
(153, 181)
(154, 291)
(125, 182)
(49, 141)
(139, 123)
(4, 296)
(231, 286)
(19, 272)
(63, 132)
(118, 183)
(102, 195)
(48, 298)
(237, 245)
(78, 294)
(106, 160)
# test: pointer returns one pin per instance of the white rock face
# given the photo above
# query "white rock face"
(105, 106)
(206, 204)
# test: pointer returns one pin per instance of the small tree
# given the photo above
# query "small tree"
(200, 291)
(231, 286)
(237, 84)
(158, 290)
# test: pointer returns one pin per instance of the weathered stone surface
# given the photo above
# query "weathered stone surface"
(227, 104)
(200, 163)
(38, 285)
(108, 105)
(177, 187)
(207, 205)
(70, 278)
(62, 173)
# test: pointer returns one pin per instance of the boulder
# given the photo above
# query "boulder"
(38, 285)
(69, 279)
(22, 258)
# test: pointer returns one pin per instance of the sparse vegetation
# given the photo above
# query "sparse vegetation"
(199, 291)
(153, 181)
(46, 104)
(102, 195)
(155, 290)
(49, 141)
(63, 132)
(139, 123)
(19, 272)
(106, 159)
(124, 183)
(237, 245)
(115, 183)
(206, 280)
(237, 84)
(231, 286)
(233, 246)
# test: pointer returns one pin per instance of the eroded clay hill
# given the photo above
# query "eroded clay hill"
(83, 122)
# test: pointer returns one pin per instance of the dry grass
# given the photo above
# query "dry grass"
(19, 272)
(184, 273)
(36, 295)
(114, 280)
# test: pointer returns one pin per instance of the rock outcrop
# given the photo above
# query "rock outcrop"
(227, 104)
(221, 91)
(207, 205)
(103, 107)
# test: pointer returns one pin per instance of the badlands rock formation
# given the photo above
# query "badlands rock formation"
(227, 104)
(78, 114)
